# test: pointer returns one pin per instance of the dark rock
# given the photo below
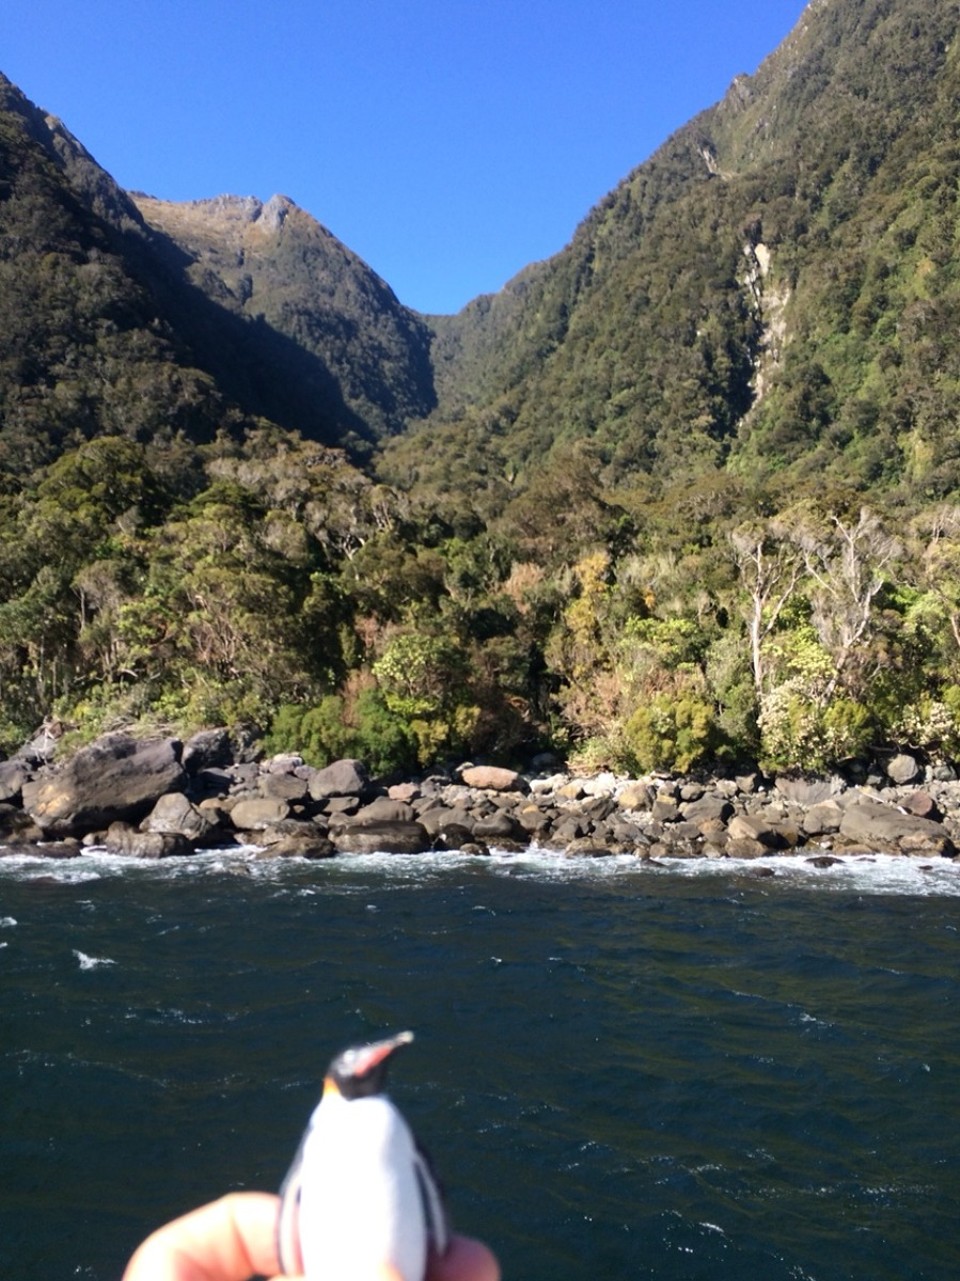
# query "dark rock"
(342, 778)
(665, 809)
(384, 810)
(381, 838)
(705, 807)
(498, 827)
(121, 838)
(285, 787)
(303, 844)
(455, 837)
(175, 815)
(209, 749)
(341, 805)
(440, 820)
(13, 775)
(44, 849)
(115, 778)
(823, 860)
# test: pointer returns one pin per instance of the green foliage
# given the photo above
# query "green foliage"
(364, 729)
(675, 730)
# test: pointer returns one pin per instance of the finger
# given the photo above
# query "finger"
(231, 1239)
(464, 1260)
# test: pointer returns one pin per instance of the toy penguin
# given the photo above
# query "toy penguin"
(360, 1193)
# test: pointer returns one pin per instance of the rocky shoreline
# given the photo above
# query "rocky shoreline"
(160, 798)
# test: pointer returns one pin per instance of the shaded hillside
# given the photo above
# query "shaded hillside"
(108, 325)
(276, 265)
(769, 292)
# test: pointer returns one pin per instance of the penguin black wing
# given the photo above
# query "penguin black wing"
(289, 1254)
(434, 1208)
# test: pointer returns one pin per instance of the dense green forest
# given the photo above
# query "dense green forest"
(687, 493)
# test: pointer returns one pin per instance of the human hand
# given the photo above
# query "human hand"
(234, 1239)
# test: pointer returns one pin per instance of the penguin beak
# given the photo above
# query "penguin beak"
(369, 1056)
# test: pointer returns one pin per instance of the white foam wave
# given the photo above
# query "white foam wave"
(91, 962)
(7, 921)
(864, 874)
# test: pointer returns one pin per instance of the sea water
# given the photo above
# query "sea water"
(622, 1071)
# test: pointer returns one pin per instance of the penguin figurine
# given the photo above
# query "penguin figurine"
(360, 1193)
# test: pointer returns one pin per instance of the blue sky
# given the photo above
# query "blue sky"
(447, 142)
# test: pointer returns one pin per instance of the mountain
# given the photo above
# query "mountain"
(688, 491)
(768, 295)
(191, 320)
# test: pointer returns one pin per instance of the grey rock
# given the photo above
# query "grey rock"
(175, 815)
(902, 768)
(258, 812)
(384, 810)
(381, 838)
(883, 828)
(13, 775)
(343, 778)
(438, 821)
(822, 818)
(121, 838)
(707, 806)
(116, 778)
(209, 749)
(284, 787)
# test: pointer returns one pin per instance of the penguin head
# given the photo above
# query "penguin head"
(361, 1071)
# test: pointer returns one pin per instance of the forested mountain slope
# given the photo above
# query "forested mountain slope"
(770, 291)
(108, 324)
(687, 492)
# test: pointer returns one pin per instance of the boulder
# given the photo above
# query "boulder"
(889, 830)
(174, 814)
(116, 778)
(754, 827)
(258, 812)
(586, 847)
(902, 768)
(121, 838)
(439, 820)
(499, 827)
(302, 844)
(636, 796)
(13, 775)
(491, 778)
(807, 792)
(822, 818)
(384, 810)
(209, 749)
(707, 806)
(284, 787)
(381, 838)
(343, 778)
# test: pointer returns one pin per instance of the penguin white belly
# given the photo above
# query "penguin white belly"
(360, 1204)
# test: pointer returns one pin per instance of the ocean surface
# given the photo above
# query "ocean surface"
(621, 1071)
